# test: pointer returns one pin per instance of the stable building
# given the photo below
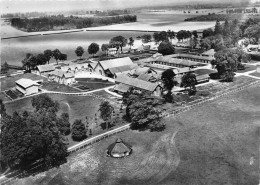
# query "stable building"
(114, 67)
(124, 82)
(44, 69)
(195, 58)
(27, 86)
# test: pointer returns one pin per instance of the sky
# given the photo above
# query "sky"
(11, 6)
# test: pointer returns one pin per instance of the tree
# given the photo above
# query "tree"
(104, 48)
(131, 42)
(146, 38)
(106, 111)
(207, 33)
(56, 54)
(26, 61)
(170, 34)
(79, 51)
(168, 83)
(181, 35)
(189, 80)
(30, 138)
(43, 101)
(226, 29)
(2, 108)
(142, 111)
(78, 131)
(33, 61)
(93, 48)
(166, 48)
(195, 34)
(160, 36)
(226, 62)
(41, 59)
(118, 41)
(4, 67)
(218, 28)
(63, 56)
(193, 42)
(64, 124)
(48, 54)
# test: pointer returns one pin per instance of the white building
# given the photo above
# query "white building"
(62, 77)
(27, 86)
(210, 53)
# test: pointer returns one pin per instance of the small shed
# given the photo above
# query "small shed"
(119, 149)
(27, 86)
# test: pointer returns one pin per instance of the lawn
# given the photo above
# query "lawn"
(9, 82)
(87, 84)
(255, 74)
(216, 143)
(54, 86)
(248, 68)
(78, 107)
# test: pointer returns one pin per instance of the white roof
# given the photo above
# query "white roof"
(117, 62)
(209, 52)
(112, 49)
(25, 83)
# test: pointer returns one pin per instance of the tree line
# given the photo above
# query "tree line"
(47, 23)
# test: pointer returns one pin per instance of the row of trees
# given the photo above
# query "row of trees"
(31, 61)
(50, 22)
(93, 48)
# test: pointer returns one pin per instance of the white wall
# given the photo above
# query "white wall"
(32, 90)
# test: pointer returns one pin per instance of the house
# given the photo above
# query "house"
(210, 53)
(27, 86)
(44, 69)
(66, 78)
(114, 67)
(112, 51)
(78, 67)
(124, 82)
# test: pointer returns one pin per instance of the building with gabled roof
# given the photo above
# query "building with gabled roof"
(210, 53)
(114, 67)
(43, 69)
(142, 85)
(27, 86)
(62, 77)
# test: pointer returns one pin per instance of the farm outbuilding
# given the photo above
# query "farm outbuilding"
(43, 69)
(27, 86)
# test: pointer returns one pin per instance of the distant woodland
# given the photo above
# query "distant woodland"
(60, 22)
(219, 17)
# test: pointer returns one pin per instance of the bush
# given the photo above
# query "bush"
(203, 93)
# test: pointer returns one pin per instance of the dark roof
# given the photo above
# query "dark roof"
(119, 147)
(145, 77)
(202, 77)
(121, 69)
(190, 56)
(134, 82)
(204, 71)
(121, 87)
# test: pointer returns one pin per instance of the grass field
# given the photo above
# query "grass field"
(216, 143)
(248, 68)
(255, 74)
